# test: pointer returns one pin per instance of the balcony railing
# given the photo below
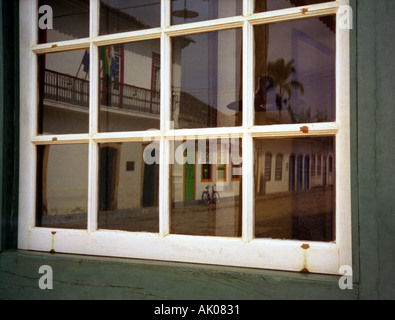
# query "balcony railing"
(75, 91)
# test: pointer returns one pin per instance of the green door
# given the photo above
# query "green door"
(189, 184)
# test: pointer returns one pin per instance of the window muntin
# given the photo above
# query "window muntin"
(260, 253)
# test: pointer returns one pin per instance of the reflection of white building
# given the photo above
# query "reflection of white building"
(283, 165)
(128, 102)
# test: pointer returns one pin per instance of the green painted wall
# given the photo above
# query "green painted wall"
(373, 129)
(105, 278)
(376, 153)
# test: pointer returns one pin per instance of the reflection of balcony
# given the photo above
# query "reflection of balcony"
(75, 91)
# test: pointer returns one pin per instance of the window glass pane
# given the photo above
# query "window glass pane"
(267, 5)
(130, 86)
(297, 204)
(128, 15)
(62, 186)
(206, 172)
(236, 171)
(185, 11)
(63, 79)
(279, 167)
(201, 208)
(63, 20)
(295, 71)
(268, 166)
(206, 79)
(129, 186)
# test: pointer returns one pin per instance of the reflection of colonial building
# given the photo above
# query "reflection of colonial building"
(210, 163)
(293, 164)
(129, 100)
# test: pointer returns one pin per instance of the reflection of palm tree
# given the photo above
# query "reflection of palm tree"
(278, 73)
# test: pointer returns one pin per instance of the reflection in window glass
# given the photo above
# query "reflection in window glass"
(128, 15)
(185, 11)
(268, 166)
(207, 167)
(206, 79)
(129, 194)
(64, 92)
(268, 5)
(298, 205)
(130, 86)
(199, 207)
(295, 72)
(279, 167)
(70, 20)
(62, 186)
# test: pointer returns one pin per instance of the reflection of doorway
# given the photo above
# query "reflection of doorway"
(292, 173)
(42, 171)
(150, 182)
(324, 172)
(299, 172)
(189, 179)
(108, 178)
(307, 172)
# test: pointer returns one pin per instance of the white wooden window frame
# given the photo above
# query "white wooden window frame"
(290, 255)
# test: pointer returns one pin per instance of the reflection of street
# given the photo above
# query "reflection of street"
(137, 220)
(220, 220)
(299, 215)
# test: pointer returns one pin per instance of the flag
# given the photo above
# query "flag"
(105, 57)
